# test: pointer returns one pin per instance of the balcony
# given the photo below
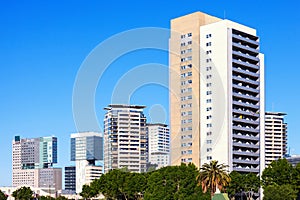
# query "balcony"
(246, 105)
(246, 121)
(240, 79)
(244, 153)
(251, 114)
(245, 137)
(251, 130)
(243, 47)
(248, 170)
(245, 64)
(238, 53)
(240, 161)
(245, 39)
(248, 89)
(256, 99)
(240, 71)
(244, 145)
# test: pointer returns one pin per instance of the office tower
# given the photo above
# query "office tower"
(86, 151)
(32, 162)
(125, 138)
(293, 159)
(216, 93)
(158, 144)
(276, 136)
(70, 179)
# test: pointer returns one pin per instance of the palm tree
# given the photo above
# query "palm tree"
(212, 176)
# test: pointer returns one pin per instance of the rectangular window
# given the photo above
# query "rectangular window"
(189, 66)
(189, 50)
(182, 36)
(189, 81)
(189, 42)
(182, 52)
(208, 68)
(208, 117)
(208, 36)
(208, 92)
(208, 100)
(189, 34)
(208, 133)
(208, 52)
(209, 158)
(208, 60)
(208, 76)
(208, 108)
(208, 84)
(183, 44)
(209, 150)
(208, 125)
(208, 44)
(189, 58)
(208, 141)
(189, 73)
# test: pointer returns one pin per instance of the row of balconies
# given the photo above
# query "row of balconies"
(245, 137)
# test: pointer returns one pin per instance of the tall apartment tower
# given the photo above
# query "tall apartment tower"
(158, 144)
(216, 93)
(276, 136)
(86, 151)
(32, 162)
(125, 138)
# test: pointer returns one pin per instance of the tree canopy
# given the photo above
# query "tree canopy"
(2, 196)
(23, 193)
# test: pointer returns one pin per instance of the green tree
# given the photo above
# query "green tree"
(61, 198)
(279, 172)
(23, 193)
(2, 196)
(174, 182)
(88, 192)
(212, 176)
(246, 183)
(279, 192)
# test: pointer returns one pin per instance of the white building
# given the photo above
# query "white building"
(86, 151)
(158, 144)
(125, 138)
(276, 136)
(32, 163)
(216, 93)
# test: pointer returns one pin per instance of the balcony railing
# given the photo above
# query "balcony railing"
(246, 105)
(246, 97)
(245, 80)
(251, 130)
(245, 113)
(246, 56)
(251, 146)
(256, 75)
(245, 39)
(244, 153)
(248, 89)
(245, 64)
(245, 137)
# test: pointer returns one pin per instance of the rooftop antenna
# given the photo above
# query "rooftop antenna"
(224, 14)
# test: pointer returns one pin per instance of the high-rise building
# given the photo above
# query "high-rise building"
(70, 179)
(32, 162)
(125, 138)
(216, 93)
(86, 151)
(158, 144)
(276, 136)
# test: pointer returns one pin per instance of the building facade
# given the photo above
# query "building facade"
(125, 138)
(70, 179)
(276, 136)
(32, 163)
(216, 93)
(158, 144)
(86, 151)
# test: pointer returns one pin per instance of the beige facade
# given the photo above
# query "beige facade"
(185, 35)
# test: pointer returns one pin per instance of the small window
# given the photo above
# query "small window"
(208, 52)
(208, 117)
(208, 68)
(208, 133)
(208, 92)
(208, 36)
(209, 158)
(209, 150)
(189, 42)
(208, 141)
(183, 44)
(208, 76)
(208, 60)
(189, 34)
(208, 100)
(209, 125)
(208, 84)
(208, 44)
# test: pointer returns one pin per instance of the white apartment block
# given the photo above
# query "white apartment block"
(217, 93)
(125, 138)
(276, 136)
(158, 144)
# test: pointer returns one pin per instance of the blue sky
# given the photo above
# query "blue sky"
(43, 44)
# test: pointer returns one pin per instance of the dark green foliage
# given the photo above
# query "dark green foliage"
(279, 192)
(88, 192)
(174, 182)
(46, 198)
(24, 193)
(2, 196)
(246, 183)
(279, 172)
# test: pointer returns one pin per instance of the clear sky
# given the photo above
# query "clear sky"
(43, 44)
